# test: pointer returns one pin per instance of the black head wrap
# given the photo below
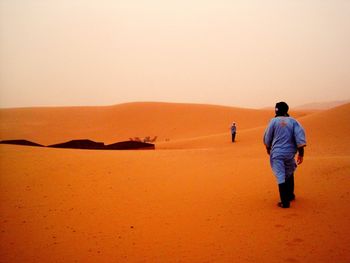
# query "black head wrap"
(281, 109)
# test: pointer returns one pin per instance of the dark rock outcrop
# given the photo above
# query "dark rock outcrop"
(80, 144)
(88, 144)
(21, 142)
(130, 145)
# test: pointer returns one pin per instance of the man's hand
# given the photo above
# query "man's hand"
(300, 159)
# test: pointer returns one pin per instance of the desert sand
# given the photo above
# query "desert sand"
(196, 198)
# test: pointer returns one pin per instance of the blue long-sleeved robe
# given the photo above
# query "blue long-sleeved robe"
(283, 136)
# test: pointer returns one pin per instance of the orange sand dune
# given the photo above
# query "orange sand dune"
(199, 198)
(327, 133)
(168, 121)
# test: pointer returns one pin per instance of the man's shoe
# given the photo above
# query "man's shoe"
(292, 197)
(280, 204)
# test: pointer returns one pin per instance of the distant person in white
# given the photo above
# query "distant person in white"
(233, 131)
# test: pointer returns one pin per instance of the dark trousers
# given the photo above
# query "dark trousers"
(290, 187)
(286, 191)
(233, 136)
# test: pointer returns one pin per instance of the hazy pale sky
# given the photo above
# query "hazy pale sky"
(246, 53)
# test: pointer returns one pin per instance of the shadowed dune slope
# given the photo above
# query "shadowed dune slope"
(322, 105)
(328, 132)
(168, 121)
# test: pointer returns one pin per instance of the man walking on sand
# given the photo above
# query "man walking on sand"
(283, 138)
